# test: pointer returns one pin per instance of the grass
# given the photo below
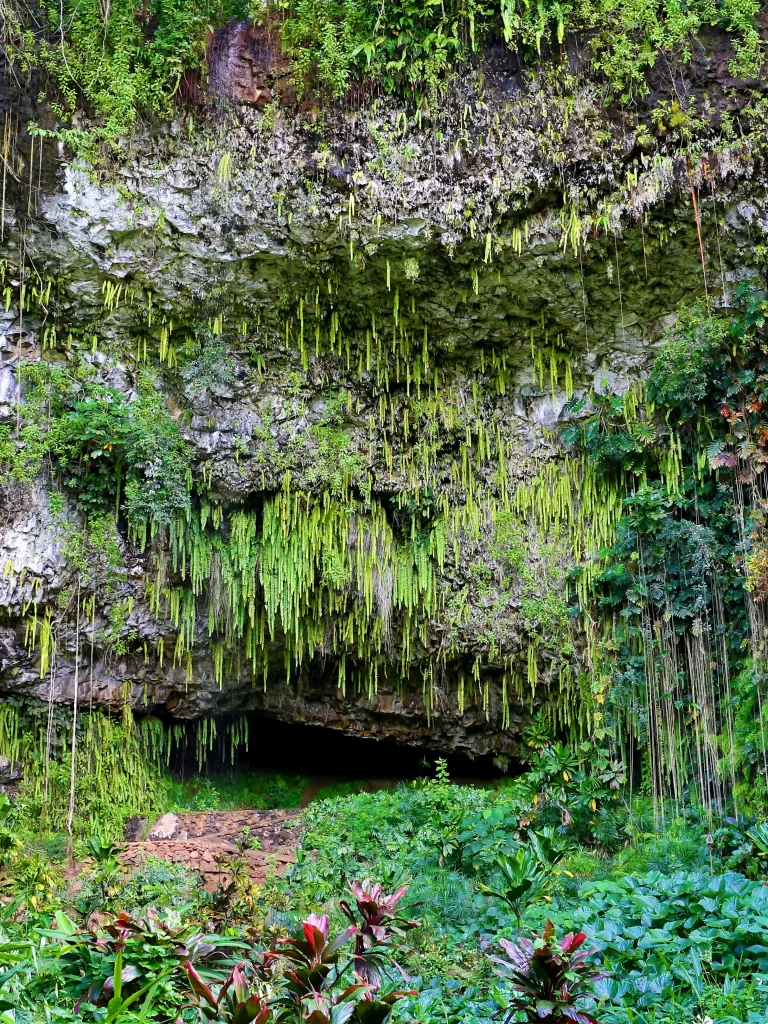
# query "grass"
(252, 790)
(228, 791)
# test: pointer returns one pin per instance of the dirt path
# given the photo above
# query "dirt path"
(204, 841)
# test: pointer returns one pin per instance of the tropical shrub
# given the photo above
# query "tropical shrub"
(155, 883)
(687, 565)
(305, 974)
(524, 880)
(111, 454)
(143, 952)
(119, 60)
(379, 930)
(549, 979)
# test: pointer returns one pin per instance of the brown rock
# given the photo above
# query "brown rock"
(244, 61)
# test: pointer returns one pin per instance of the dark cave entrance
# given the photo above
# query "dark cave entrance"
(317, 752)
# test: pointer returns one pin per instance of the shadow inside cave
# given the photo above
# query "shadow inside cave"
(320, 754)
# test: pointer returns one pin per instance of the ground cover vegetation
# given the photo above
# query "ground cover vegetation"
(492, 901)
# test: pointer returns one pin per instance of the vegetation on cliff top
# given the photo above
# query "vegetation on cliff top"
(405, 43)
(127, 58)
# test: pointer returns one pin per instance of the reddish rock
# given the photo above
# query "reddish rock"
(206, 841)
(245, 63)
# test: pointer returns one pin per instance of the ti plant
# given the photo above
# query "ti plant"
(307, 971)
(379, 931)
(548, 979)
(309, 961)
(235, 1003)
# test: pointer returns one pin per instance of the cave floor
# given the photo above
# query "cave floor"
(208, 841)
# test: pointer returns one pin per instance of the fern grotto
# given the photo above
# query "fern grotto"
(384, 511)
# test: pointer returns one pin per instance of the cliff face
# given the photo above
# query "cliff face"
(363, 324)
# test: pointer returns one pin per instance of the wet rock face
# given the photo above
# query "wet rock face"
(300, 241)
(396, 711)
(10, 772)
(10, 777)
(246, 65)
(36, 570)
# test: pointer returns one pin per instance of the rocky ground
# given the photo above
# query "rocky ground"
(208, 841)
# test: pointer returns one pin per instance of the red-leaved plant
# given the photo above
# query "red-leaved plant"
(300, 980)
(235, 1002)
(549, 978)
(308, 962)
(379, 931)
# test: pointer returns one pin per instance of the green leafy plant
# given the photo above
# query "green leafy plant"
(656, 931)
(103, 851)
(116, 60)
(211, 371)
(759, 836)
(128, 957)
(605, 434)
(524, 880)
(107, 879)
(118, 1004)
(410, 43)
(9, 841)
(233, 900)
(35, 883)
(111, 454)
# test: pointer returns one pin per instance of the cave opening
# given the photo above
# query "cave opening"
(322, 753)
